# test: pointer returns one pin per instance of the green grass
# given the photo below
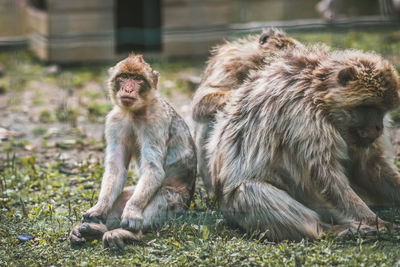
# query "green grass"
(96, 110)
(20, 68)
(44, 195)
(46, 199)
(385, 43)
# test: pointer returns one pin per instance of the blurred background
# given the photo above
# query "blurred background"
(73, 31)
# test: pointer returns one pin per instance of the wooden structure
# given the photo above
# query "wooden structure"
(99, 30)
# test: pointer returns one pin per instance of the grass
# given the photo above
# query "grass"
(44, 191)
(46, 199)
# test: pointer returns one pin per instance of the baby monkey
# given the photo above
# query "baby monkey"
(144, 127)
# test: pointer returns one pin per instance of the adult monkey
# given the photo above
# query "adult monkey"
(144, 127)
(304, 144)
(226, 71)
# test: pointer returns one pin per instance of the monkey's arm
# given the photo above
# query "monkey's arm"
(116, 164)
(389, 181)
(335, 189)
(153, 152)
(380, 180)
(209, 104)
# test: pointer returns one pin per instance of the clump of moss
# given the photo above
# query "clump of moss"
(39, 130)
(98, 110)
(65, 113)
(46, 116)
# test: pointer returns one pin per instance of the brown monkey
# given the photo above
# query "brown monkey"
(226, 71)
(142, 126)
(304, 144)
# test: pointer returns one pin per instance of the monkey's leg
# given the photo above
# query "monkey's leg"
(202, 133)
(165, 205)
(114, 217)
(90, 230)
(261, 206)
(117, 238)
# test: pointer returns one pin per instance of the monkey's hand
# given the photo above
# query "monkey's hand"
(132, 219)
(96, 214)
(386, 226)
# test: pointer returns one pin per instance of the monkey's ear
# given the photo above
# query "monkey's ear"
(156, 77)
(110, 70)
(346, 75)
(265, 35)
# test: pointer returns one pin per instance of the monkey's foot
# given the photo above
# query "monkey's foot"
(86, 232)
(94, 214)
(117, 238)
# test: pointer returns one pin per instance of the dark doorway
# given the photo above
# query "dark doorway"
(39, 4)
(138, 25)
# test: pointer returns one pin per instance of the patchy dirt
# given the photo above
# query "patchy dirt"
(60, 113)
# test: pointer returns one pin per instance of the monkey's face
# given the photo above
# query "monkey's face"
(363, 95)
(364, 126)
(132, 83)
(131, 91)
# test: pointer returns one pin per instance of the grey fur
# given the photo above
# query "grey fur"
(278, 161)
(228, 68)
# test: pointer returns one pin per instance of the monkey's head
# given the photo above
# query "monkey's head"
(132, 83)
(362, 90)
(276, 39)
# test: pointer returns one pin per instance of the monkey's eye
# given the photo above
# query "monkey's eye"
(123, 76)
(139, 78)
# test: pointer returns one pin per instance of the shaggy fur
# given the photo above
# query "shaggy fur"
(279, 154)
(227, 69)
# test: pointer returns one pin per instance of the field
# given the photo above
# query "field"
(51, 164)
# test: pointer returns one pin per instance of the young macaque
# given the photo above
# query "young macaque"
(143, 127)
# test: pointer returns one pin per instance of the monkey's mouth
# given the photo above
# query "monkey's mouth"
(127, 100)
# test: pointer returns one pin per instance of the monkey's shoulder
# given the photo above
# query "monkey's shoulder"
(177, 123)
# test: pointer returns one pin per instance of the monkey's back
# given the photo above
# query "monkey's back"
(232, 62)
(250, 130)
(280, 117)
(180, 163)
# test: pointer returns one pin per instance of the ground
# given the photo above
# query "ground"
(51, 164)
